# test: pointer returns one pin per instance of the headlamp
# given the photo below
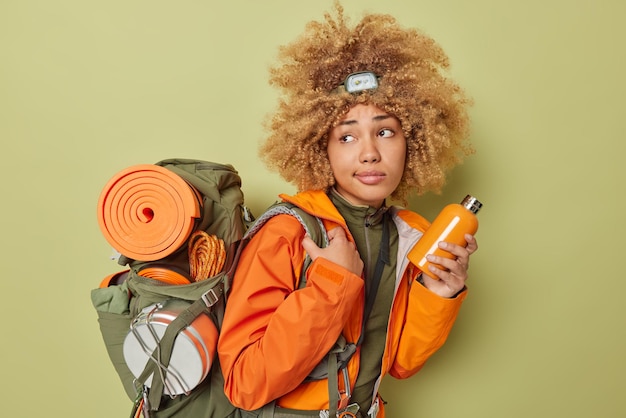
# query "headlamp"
(358, 82)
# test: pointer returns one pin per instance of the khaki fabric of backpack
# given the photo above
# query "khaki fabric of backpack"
(126, 298)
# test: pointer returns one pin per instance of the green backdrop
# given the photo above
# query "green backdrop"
(89, 88)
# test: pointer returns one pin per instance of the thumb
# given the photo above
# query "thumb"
(337, 232)
(310, 247)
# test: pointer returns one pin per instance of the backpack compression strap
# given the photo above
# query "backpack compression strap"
(160, 358)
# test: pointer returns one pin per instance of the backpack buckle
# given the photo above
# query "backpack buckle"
(373, 412)
(349, 412)
(344, 395)
(211, 297)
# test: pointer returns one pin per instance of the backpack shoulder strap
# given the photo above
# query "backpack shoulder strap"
(313, 226)
(342, 351)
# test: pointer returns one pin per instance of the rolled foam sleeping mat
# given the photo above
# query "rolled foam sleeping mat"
(114, 279)
(163, 274)
(147, 212)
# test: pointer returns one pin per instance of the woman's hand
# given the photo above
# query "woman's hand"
(453, 280)
(340, 251)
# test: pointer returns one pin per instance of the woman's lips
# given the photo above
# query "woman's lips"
(370, 177)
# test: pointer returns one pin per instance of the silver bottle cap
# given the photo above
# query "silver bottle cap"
(472, 204)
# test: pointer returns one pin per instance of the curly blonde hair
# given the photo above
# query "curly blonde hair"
(412, 87)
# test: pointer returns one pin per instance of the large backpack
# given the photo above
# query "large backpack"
(154, 313)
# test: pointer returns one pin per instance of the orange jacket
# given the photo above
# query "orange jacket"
(273, 335)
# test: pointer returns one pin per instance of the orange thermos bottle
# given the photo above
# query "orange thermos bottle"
(451, 225)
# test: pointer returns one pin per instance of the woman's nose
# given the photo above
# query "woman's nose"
(369, 152)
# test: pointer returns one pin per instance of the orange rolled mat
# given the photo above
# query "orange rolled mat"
(164, 275)
(114, 279)
(146, 212)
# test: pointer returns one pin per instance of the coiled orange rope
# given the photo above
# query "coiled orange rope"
(207, 255)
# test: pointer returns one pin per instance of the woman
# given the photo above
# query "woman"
(367, 116)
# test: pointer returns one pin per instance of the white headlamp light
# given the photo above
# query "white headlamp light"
(358, 82)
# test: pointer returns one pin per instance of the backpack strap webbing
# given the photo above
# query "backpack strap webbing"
(161, 356)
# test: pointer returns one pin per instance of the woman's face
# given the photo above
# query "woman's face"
(367, 151)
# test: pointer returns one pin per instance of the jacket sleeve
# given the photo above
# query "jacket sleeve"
(273, 335)
(428, 322)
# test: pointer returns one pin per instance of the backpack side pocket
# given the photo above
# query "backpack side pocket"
(114, 318)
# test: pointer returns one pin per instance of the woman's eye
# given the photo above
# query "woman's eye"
(346, 138)
(385, 133)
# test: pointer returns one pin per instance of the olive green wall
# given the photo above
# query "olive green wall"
(88, 88)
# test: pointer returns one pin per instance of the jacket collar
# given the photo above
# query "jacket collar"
(317, 203)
